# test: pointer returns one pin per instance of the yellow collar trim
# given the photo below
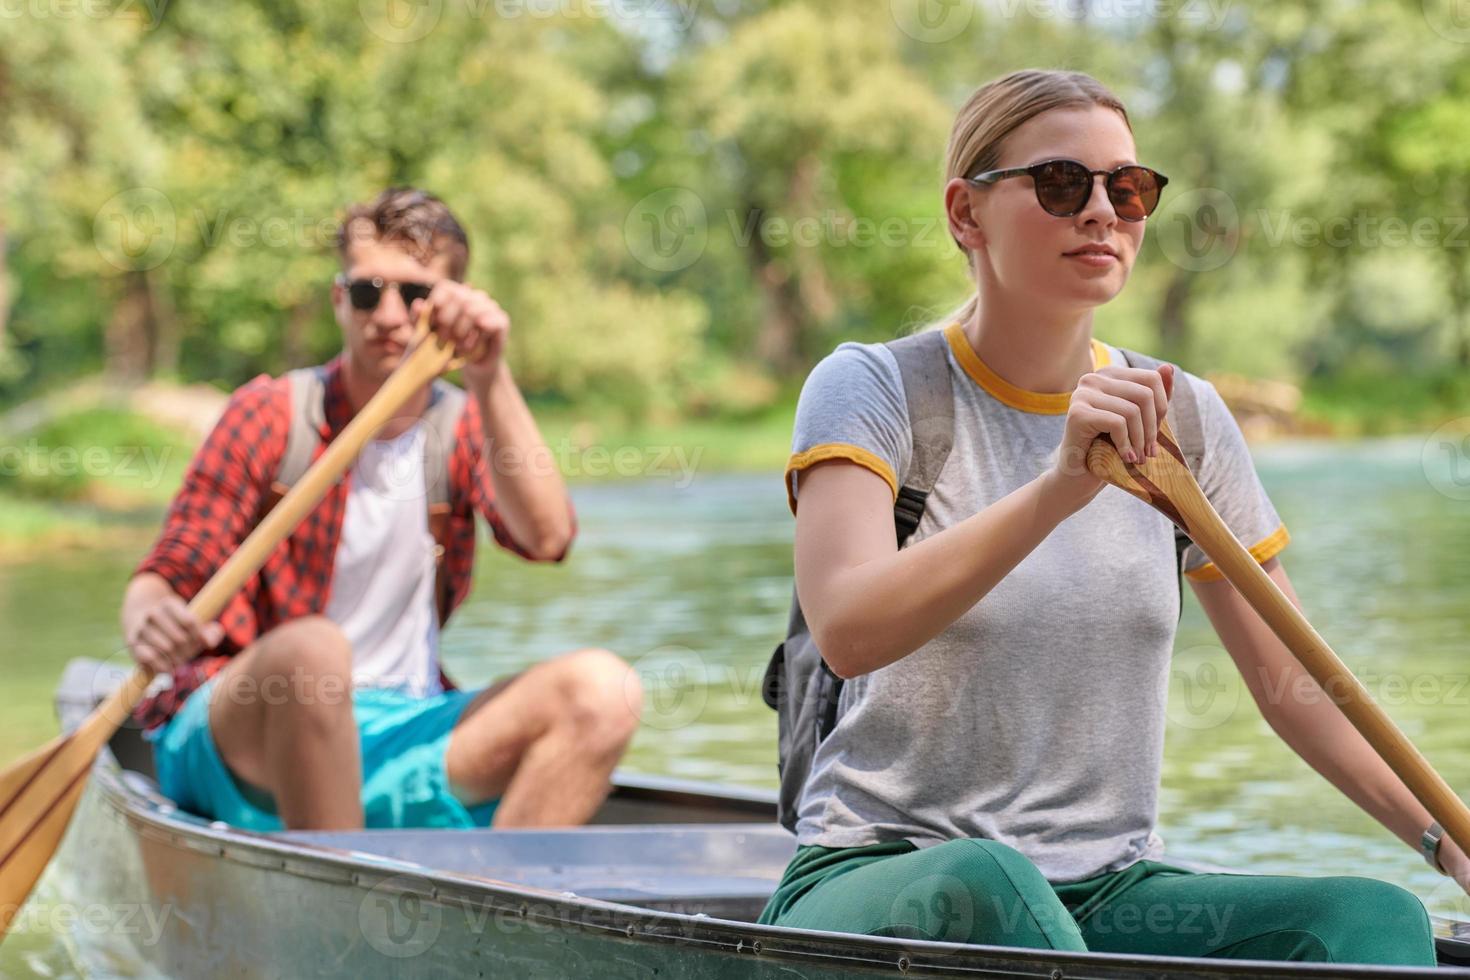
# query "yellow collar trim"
(1039, 402)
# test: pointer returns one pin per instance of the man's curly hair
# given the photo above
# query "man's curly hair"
(413, 219)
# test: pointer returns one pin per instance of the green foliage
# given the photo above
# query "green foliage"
(172, 185)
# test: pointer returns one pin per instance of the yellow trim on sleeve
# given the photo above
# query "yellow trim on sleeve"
(1262, 551)
(1036, 402)
(837, 450)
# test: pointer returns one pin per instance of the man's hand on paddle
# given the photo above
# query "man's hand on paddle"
(475, 323)
(161, 632)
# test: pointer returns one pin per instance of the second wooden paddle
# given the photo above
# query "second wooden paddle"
(1166, 483)
(39, 793)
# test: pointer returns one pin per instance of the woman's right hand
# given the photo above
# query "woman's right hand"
(164, 634)
(1122, 402)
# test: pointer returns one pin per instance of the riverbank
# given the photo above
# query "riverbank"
(95, 467)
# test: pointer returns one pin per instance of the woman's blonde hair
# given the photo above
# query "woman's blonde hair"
(994, 111)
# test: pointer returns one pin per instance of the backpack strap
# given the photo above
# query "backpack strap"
(441, 419)
(929, 392)
(308, 385)
(1184, 420)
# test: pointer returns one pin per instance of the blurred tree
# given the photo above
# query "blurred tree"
(793, 96)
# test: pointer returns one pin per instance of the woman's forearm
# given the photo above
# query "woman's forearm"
(1316, 729)
(884, 609)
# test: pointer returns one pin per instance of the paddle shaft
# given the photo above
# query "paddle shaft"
(422, 365)
(39, 793)
(1185, 503)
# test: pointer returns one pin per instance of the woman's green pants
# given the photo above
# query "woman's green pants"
(981, 891)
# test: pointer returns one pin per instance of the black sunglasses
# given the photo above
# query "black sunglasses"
(366, 294)
(1063, 187)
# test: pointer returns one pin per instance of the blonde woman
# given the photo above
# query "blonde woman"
(993, 772)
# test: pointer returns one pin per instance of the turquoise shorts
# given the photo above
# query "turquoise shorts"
(403, 740)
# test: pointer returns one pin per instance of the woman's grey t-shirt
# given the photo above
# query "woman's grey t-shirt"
(1037, 718)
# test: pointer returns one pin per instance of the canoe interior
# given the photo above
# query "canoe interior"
(670, 847)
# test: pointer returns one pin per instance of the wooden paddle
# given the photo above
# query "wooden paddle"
(1166, 483)
(39, 793)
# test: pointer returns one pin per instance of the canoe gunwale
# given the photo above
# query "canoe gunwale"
(152, 818)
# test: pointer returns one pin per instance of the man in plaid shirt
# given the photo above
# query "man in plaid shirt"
(316, 701)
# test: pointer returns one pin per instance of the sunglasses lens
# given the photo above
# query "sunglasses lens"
(1134, 192)
(411, 291)
(364, 294)
(1062, 187)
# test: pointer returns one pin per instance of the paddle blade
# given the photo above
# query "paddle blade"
(39, 793)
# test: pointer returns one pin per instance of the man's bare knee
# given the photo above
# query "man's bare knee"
(304, 665)
(601, 694)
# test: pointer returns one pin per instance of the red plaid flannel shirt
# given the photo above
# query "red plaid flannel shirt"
(220, 501)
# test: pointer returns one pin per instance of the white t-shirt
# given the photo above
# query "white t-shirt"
(383, 576)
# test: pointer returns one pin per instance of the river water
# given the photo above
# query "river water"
(691, 583)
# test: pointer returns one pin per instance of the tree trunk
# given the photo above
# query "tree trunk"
(296, 345)
(1174, 316)
(131, 336)
(777, 338)
(165, 326)
(799, 294)
(4, 286)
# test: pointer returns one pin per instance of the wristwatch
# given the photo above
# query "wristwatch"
(1429, 846)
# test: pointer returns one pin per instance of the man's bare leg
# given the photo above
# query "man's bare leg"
(281, 717)
(547, 739)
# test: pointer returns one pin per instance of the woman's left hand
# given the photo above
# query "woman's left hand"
(1453, 860)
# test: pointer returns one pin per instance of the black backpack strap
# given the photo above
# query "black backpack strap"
(929, 393)
(1184, 420)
